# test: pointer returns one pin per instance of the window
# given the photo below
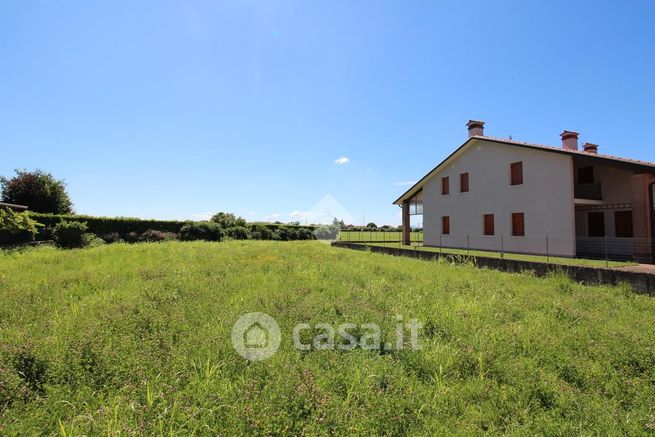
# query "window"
(516, 173)
(445, 225)
(586, 175)
(489, 224)
(596, 224)
(518, 224)
(623, 224)
(445, 185)
(464, 183)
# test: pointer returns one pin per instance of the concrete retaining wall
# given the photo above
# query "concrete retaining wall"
(641, 282)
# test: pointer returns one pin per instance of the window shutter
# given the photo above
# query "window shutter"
(623, 224)
(516, 173)
(464, 182)
(489, 224)
(445, 225)
(445, 185)
(518, 224)
(596, 224)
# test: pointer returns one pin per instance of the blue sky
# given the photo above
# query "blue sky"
(177, 109)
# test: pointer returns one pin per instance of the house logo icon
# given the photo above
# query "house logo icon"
(256, 336)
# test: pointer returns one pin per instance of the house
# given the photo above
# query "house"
(505, 195)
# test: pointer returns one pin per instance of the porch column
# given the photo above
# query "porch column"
(406, 227)
(642, 217)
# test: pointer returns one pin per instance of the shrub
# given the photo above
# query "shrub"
(152, 235)
(260, 232)
(112, 237)
(207, 231)
(16, 227)
(239, 233)
(70, 235)
(228, 220)
(326, 232)
(92, 240)
(104, 226)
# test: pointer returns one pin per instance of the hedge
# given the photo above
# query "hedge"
(107, 225)
(124, 226)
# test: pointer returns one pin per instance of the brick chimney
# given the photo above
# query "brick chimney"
(569, 140)
(476, 127)
(590, 148)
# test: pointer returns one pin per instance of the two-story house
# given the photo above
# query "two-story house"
(506, 195)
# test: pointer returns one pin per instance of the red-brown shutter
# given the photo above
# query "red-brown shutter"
(517, 173)
(445, 225)
(464, 182)
(518, 224)
(445, 185)
(489, 224)
(596, 224)
(623, 224)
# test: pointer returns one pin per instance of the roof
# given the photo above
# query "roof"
(12, 206)
(633, 164)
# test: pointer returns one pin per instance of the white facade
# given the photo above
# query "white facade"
(545, 198)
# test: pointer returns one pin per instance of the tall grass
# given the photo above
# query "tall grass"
(136, 340)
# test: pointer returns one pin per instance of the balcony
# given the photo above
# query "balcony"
(590, 191)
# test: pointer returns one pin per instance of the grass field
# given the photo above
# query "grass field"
(135, 339)
(391, 236)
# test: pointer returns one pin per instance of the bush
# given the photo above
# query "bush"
(112, 237)
(239, 233)
(106, 226)
(16, 227)
(228, 220)
(272, 231)
(92, 240)
(206, 231)
(152, 235)
(326, 232)
(69, 235)
(260, 232)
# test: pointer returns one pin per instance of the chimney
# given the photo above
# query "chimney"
(476, 127)
(569, 140)
(590, 148)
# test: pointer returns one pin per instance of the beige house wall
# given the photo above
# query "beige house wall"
(545, 198)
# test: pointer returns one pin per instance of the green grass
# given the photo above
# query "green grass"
(391, 236)
(136, 340)
(514, 256)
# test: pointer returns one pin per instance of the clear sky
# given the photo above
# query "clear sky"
(178, 109)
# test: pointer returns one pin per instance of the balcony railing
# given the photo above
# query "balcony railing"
(588, 191)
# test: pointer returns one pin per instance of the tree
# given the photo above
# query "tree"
(339, 223)
(228, 220)
(37, 190)
(372, 225)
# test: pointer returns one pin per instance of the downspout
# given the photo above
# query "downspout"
(652, 220)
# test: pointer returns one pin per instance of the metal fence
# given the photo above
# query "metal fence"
(598, 248)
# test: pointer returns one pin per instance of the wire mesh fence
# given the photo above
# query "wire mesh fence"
(605, 248)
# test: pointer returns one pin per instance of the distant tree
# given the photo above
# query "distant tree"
(339, 223)
(372, 225)
(37, 190)
(296, 223)
(228, 220)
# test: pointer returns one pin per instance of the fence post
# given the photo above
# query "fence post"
(440, 245)
(502, 246)
(468, 245)
(547, 251)
(607, 262)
